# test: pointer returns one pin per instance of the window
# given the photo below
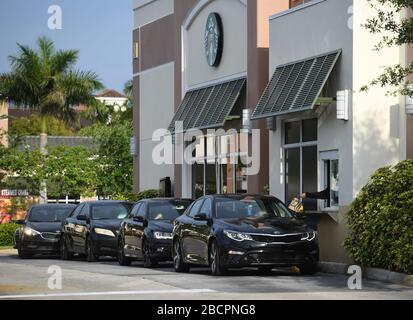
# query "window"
(300, 154)
(206, 207)
(142, 210)
(135, 210)
(195, 208)
(85, 210)
(76, 212)
(294, 3)
(215, 167)
(330, 166)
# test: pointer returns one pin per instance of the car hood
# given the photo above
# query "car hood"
(53, 227)
(111, 224)
(164, 226)
(264, 226)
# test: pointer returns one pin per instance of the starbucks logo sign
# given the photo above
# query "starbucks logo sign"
(213, 39)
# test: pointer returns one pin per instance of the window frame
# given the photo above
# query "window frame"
(201, 200)
(300, 145)
(328, 156)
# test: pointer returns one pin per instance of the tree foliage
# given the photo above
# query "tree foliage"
(71, 171)
(393, 32)
(66, 170)
(45, 79)
(31, 126)
(381, 220)
(113, 155)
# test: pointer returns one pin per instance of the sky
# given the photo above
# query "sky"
(100, 29)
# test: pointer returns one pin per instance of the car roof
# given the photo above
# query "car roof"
(54, 205)
(241, 195)
(106, 201)
(167, 199)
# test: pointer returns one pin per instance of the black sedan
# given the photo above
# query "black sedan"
(238, 231)
(147, 232)
(40, 231)
(92, 229)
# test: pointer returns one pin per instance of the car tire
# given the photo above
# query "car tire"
(65, 254)
(309, 269)
(90, 254)
(122, 259)
(148, 261)
(178, 261)
(23, 254)
(215, 261)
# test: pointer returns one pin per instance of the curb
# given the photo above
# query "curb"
(368, 273)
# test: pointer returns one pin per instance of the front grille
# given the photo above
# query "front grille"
(49, 235)
(280, 257)
(278, 238)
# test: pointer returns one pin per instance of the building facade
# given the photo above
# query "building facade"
(291, 70)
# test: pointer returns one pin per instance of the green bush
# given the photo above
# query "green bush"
(6, 233)
(147, 194)
(381, 220)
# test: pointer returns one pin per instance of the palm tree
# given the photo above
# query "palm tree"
(45, 80)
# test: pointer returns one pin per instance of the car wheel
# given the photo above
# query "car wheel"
(148, 261)
(122, 259)
(90, 254)
(179, 264)
(23, 254)
(215, 261)
(309, 269)
(64, 251)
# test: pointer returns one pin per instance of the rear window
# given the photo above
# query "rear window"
(110, 211)
(168, 211)
(50, 213)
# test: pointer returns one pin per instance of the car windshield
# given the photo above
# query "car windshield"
(50, 213)
(110, 211)
(168, 211)
(250, 207)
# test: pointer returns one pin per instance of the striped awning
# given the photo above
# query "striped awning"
(296, 86)
(208, 107)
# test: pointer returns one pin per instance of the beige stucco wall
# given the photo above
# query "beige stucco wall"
(196, 71)
(4, 125)
(156, 111)
(378, 138)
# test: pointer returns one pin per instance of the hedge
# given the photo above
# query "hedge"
(381, 220)
(147, 194)
(6, 233)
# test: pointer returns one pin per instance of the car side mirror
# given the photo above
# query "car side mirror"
(82, 217)
(201, 217)
(21, 222)
(139, 219)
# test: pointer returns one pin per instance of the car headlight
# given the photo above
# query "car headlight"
(237, 236)
(105, 232)
(30, 232)
(163, 235)
(309, 236)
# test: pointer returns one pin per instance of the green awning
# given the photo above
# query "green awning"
(208, 107)
(296, 86)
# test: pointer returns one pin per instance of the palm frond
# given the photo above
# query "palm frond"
(63, 60)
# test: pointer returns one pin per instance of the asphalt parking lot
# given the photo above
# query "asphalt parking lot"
(29, 279)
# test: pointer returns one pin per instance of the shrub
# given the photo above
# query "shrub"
(381, 220)
(147, 194)
(6, 233)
